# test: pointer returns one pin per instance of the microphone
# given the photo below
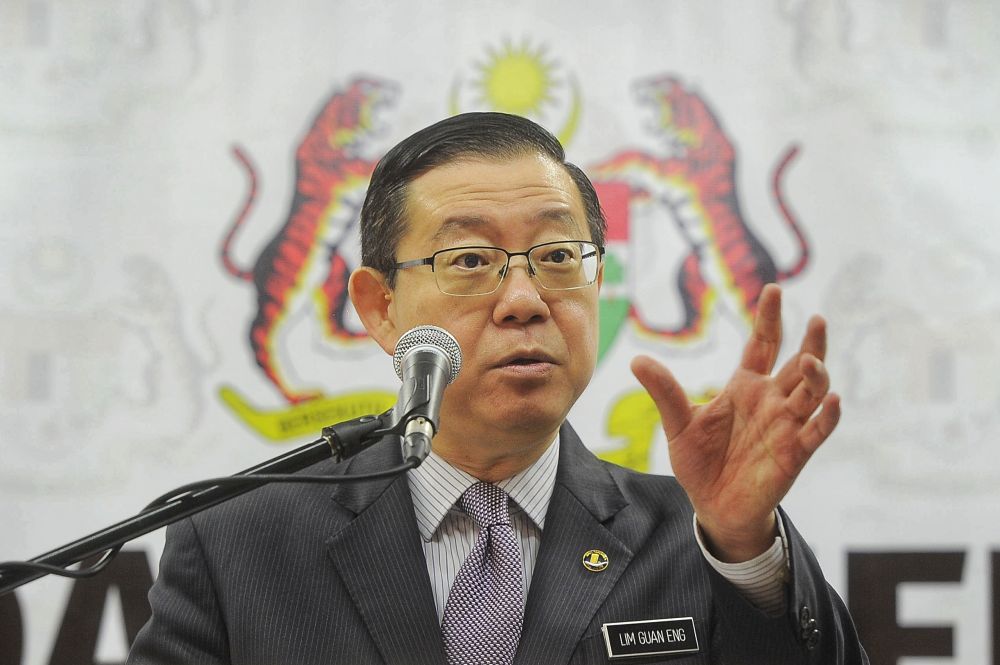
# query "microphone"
(427, 359)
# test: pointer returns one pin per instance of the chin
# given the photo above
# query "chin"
(526, 418)
(510, 410)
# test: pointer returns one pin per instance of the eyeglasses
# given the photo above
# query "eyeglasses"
(478, 271)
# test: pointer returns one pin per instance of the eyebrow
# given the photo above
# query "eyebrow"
(563, 217)
(453, 225)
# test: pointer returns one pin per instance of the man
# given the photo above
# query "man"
(512, 542)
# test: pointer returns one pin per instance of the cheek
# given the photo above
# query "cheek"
(465, 325)
(580, 324)
(420, 303)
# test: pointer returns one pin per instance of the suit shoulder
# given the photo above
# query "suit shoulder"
(273, 507)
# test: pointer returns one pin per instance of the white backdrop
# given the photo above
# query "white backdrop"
(125, 361)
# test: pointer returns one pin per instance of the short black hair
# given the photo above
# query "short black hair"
(489, 135)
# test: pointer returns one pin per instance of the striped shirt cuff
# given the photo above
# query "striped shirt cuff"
(762, 579)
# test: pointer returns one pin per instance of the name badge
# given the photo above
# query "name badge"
(655, 637)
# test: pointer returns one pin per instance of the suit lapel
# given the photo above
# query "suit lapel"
(379, 558)
(564, 595)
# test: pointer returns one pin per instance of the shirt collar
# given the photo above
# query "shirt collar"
(436, 486)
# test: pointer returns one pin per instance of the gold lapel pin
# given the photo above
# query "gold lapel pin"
(595, 560)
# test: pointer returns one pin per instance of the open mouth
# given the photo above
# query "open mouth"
(527, 360)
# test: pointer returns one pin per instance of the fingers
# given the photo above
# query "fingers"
(816, 431)
(810, 391)
(765, 339)
(668, 395)
(814, 341)
(814, 344)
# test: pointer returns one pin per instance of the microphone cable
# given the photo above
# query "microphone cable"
(426, 359)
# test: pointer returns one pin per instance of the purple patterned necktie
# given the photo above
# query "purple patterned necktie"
(482, 618)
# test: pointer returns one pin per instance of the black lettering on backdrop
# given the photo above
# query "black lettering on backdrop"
(77, 640)
(872, 580)
(11, 631)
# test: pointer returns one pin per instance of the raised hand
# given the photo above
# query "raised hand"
(738, 455)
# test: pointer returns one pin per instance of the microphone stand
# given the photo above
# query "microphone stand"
(338, 441)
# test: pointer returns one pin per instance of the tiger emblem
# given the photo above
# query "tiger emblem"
(695, 183)
(308, 261)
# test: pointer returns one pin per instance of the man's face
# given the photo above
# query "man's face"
(527, 353)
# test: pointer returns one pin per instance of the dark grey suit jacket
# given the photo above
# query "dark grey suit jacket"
(302, 574)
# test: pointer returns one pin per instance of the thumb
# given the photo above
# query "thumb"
(668, 395)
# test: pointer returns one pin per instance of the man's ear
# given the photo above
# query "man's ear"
(371, 297)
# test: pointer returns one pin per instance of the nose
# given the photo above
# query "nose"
(519, 296)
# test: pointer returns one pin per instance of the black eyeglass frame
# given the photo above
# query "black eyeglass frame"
(429, 261)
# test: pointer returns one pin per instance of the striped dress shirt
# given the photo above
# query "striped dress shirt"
(448, 533)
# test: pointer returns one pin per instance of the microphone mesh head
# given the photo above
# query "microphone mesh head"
(428, 336)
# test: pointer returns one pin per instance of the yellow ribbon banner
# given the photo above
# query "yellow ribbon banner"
(306, 418)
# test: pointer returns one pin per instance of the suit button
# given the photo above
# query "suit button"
(813, 640)
(808, 629)
(805, 616)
